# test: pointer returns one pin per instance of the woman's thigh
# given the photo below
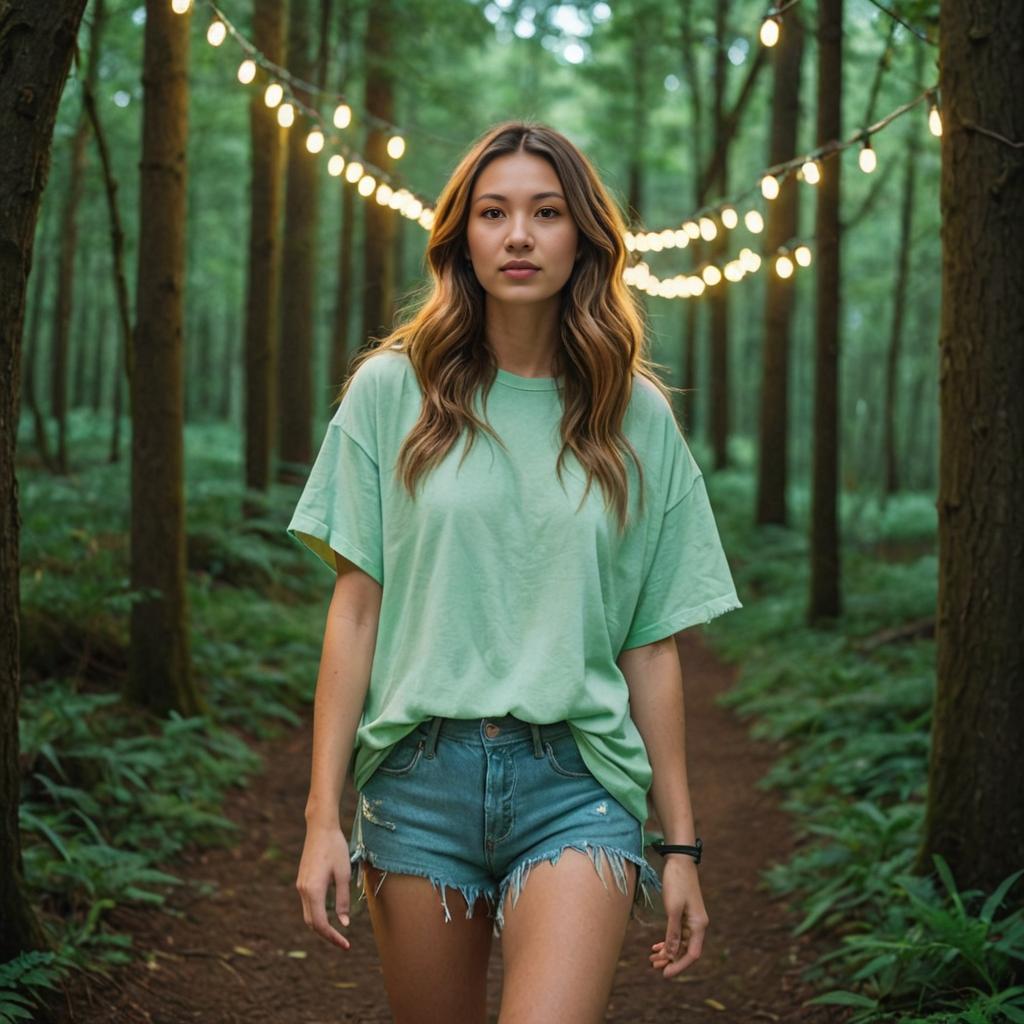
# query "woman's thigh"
(433, 970)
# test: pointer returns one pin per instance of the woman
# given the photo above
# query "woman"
(518, 530)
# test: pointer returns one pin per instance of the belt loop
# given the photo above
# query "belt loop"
(435, 728)
(538, 750)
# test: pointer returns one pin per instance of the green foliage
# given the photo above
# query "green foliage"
(849, 707)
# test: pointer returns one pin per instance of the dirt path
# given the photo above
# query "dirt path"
(244, 955)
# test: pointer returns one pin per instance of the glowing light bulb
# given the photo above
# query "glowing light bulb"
(708, 231)
(769, 186)
(867, 159)
(692, 229)
(682, 238)
(697, 285)
(315, 141)
(770, 31)
(246, 71)
(216, 33)
(802, 255)
(426, 219)
(342, 115)
(811, 172)
(934, 120)
(730, 218)
(784, 266)
(335, 165)
(384, 193)
(354, 171)
(181, 6)
(366, 184)
(286, 115)
(754, 222)
(396, 146)
(414, 209)
(273, 94)
(711, 274)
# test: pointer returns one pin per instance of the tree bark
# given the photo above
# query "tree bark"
(264, 267)
(36, 44)
(298, 271)
(781, 225)
(825, 589)
(379, 221)
(64, 305)
(975, 811)
(160, 672)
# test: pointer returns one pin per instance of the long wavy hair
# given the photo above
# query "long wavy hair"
(603, 328)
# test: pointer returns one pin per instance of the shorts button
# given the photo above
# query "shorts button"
(491, 729)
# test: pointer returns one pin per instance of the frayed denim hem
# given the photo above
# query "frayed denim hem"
(616, 857)
(470, 893)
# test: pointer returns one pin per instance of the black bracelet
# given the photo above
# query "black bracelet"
(693, 851)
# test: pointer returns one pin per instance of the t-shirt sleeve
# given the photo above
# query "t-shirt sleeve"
(340, 506)
(687, 579)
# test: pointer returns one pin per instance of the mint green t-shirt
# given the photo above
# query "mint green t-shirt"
(498, 596)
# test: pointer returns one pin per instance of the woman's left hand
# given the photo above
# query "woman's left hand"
(687, 918)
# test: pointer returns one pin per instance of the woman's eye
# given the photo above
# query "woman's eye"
(494, 209)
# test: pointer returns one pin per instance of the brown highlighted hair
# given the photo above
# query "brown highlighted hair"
(603, 342)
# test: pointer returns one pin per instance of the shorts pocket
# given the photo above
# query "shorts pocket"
(404, 755)
(565, 758)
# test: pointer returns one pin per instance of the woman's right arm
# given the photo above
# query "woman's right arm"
(350, 639)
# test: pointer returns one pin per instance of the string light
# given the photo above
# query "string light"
(754, 222)
(396, 146)
(770, 30)
(934, 117)
(286, 115)
(342, 115)
(246, 71)
(867, 159)
(811, 172)
(769, 186)
(336, 165)
(315, 141)
(181, 6)
(354, 171)
(216, 33)
(273, 94)
(784, 266)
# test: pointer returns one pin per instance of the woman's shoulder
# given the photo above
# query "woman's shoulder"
(648, 405)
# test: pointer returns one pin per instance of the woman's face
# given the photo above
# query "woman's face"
(518, 212)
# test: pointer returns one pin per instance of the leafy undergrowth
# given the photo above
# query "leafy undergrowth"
(849, 705)
(110, 794)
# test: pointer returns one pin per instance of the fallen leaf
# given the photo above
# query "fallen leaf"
(714, 1004)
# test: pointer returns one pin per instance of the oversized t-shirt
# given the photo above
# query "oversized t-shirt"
(499, 597)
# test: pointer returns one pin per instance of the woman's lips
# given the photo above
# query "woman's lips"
(521, 272)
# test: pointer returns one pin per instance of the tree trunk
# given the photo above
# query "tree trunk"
(718, 295)
(36, 44)
(975, 812)
(781, 225)
(379, 220)
(825, 591)
(160, 672)
(264, 267)
(298, 277)
(892, 480)
(64, 307)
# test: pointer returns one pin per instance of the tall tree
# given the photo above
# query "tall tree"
(160, 673)
(69, 248)
(379, 220)
(298, 272)
(36, 44)
(718, 297)
(263, 270)
(781, 224)
(975, 813)
(892, 482)
(825, 591)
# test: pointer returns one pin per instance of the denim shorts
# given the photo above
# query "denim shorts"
(472, 804)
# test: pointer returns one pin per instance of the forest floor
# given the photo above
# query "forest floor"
(242, 953)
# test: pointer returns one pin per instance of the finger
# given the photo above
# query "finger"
(323, 928)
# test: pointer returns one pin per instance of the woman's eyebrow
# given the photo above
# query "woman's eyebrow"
(539, 195)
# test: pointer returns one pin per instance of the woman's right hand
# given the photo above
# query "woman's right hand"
(325, 857)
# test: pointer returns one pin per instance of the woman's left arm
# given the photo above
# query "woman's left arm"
(655, 680)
